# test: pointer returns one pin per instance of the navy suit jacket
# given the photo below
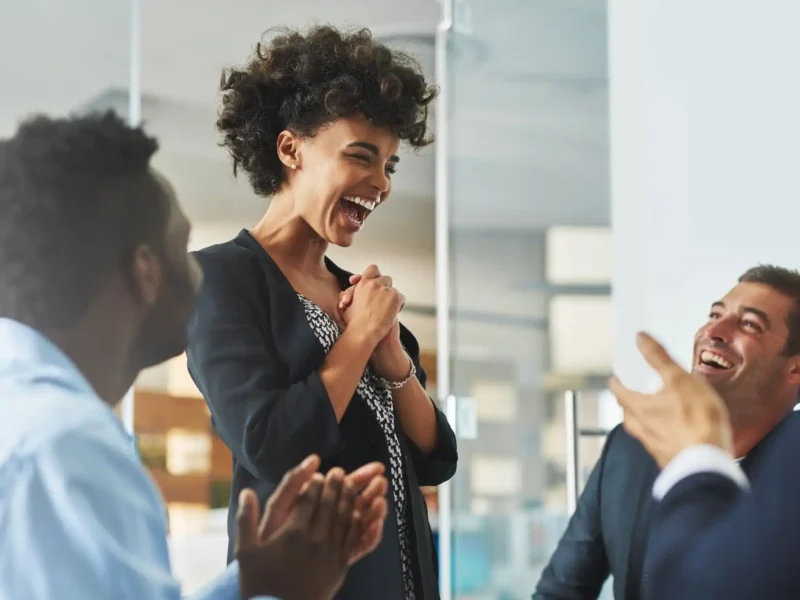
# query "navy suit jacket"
(711, 540)
(606, 534)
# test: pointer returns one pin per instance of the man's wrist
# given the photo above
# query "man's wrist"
(257, 581)
(700, 458)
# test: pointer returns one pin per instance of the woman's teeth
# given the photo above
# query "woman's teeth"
(368, 204)
(354, 212)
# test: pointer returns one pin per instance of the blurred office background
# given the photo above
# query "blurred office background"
(500, 239)
(529, 261)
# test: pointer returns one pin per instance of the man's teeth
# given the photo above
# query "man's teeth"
(368, 204)
(715, 359)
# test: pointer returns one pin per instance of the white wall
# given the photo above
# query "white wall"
(704, 101)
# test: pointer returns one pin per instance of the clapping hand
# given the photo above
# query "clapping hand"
(313, 529)
(685, 412)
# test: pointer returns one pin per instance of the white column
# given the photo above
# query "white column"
(705, 147)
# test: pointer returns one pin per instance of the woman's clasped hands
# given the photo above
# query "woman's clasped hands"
(372, 305)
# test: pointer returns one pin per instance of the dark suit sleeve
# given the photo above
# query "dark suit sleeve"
(269, 426)
(579, 566)
(710, 539)
(439, 465)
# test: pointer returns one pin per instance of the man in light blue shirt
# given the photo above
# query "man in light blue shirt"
(96, 284)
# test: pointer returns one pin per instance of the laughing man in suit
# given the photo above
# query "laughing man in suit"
(717, 530)
(747, 351)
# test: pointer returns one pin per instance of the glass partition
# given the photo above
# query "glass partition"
(524, 272)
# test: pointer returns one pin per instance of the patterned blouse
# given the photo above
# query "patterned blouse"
(379, 400)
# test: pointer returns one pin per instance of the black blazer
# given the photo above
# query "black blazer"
(710, 539)
(608, 534)
(254, 357)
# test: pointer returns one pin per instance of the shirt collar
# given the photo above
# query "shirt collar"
(22, 346)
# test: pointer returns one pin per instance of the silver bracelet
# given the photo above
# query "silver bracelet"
(396, 385)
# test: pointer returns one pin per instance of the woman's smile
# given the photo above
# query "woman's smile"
(355, 210)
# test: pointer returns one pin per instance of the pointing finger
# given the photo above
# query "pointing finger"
(627, 399)
(658, 358)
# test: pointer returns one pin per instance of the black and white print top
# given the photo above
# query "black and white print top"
(379, 400)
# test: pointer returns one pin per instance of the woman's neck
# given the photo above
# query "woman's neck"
(289, 239)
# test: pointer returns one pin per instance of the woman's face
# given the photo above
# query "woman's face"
(342, 174)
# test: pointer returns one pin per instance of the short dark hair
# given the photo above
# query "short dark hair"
(77, 197)
(303, 81)
(787, 282)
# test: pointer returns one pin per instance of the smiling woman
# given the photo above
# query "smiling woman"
(294, 355)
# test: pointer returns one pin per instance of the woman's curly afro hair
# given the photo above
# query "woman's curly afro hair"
(303, 81)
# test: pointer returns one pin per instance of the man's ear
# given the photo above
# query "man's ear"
(147, 274)
(794, 370)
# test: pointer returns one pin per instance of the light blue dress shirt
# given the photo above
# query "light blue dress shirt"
(79, 517)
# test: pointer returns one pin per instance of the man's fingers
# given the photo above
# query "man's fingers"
(347, 519)
(308, 500)
(327, 510)
(366, 537)
(362, 476)
(354, 279)
(372, 535)
(375, 510)
(285, 495)
(247, 521)
(368, 514)
(292, 481)
(376, 488)
(658, 358)
(627, 399)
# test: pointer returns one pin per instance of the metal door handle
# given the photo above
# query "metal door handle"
(573, 457)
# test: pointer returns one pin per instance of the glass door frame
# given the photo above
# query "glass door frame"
(442, 233)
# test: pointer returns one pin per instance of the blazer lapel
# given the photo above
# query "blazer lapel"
(298, 347)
